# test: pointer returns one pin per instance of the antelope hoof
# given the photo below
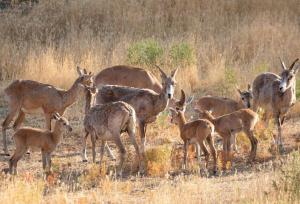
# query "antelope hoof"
(84, 160)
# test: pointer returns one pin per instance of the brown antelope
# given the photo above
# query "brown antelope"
(147, 103)
(219, 106)
(107, 122)
(197, 132)
(124, 75)
(276, 94)
(128, 76)
(28, 97)
(231, 124)
(89, 102)
(46, 140)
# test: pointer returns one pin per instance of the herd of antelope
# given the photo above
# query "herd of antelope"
(120, 98)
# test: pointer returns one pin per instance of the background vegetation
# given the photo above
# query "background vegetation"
(203, 38)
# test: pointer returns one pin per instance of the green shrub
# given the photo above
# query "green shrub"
(145, 52)
(227, 86)
(182, 54)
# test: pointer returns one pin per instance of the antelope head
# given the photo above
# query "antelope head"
(288, 76)
(182, 103)
(174, 116)
(84, 79)
(62, 121)
(205, 115)
(168, 82)
(246, 96)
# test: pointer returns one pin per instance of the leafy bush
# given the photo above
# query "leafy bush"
(227, 86)
(182, 54)
(145, 52)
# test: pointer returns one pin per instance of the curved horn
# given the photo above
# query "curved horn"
(293, 64)
(163, 74)
(282, 64)
(174, 72)
(182, 99)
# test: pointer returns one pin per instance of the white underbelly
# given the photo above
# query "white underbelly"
(33, 111)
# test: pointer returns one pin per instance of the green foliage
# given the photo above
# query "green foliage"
(145, 52)
(182, 54)
(298, 88)
(227, 87)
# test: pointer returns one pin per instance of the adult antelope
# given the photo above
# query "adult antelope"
(147, 103)
(128, 76)
(276, 94)
(28, 97)
(221, 105)
(136, 77)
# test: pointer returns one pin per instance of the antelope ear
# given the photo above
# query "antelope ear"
(240, 92)
(84, 71)
(282, 64)
(249, 87)
(182, 98)
(79, 71)
(162, 73)
(173, 73)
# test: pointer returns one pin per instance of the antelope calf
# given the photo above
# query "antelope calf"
(46, 140)
(107, 122)
(219, 106)
(231, 124)
(276, 94)
(195, 132)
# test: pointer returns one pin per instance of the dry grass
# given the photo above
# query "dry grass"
(54, 36)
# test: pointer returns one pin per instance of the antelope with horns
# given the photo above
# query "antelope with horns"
(219, 106)
(276, 94)
(46, 140)
(107, 122)
(231, 124)
(147, 103)
(136, 77)
(27, 97)
(197, 132)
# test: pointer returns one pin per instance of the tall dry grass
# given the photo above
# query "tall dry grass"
(46, 41)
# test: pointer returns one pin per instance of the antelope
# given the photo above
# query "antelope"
(136, 77)
(196, 131)
(107, 122)
(89, 102)
(28, 97)
(128, 76)
(276, 94)
(221, 106)
(46, 140)
(147, 103)
(230, 124)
